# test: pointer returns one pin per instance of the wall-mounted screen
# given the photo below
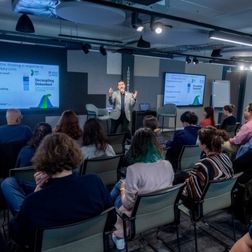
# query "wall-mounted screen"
(29, 86)
(184, 89)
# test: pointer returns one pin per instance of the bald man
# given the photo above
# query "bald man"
(14, 131)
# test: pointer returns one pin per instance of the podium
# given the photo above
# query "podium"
(137, 119)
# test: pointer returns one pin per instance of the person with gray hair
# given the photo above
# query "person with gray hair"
(14, 131)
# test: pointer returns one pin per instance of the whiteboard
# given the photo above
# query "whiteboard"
(220, 93)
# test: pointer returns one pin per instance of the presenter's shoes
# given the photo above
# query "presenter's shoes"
(119, 242)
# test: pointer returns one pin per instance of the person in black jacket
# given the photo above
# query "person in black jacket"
(229, 119)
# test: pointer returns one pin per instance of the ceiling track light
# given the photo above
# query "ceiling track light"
(24, 24)
(136, 22)
(188, 60)
(86, 48)
(230, 38)
(103, 51)
(157, 27)
(195, 61)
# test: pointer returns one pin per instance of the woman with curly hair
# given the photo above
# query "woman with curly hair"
(69, 124)
(61, 196)
(95, 143)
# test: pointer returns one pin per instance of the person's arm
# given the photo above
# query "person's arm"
(133, 99)
(243, 245)
(111, 97)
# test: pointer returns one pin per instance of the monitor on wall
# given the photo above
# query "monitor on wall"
(29, 86)
(184, 89)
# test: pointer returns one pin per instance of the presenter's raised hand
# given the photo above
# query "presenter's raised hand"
(135, 94)
(110, 91)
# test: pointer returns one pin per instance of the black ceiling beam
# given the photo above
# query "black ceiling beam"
(131, 7)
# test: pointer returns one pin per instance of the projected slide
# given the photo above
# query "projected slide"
(184, 89)
(29, 86)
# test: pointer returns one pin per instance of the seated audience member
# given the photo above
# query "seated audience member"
(209, 117)
(244, 244)
(244, 134)
(229, 118)
(187, 136)
(69, 124)
(14, 131)
(94, 141)
(215, 166)
(149, 173)
(60, 196)
(25, 155)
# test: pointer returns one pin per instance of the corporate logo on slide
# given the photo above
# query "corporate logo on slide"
(45, 102)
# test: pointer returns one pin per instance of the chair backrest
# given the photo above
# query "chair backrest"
(168, 109)
(218, 195)
(144, 106)
(230, 129)
(117, 141)
(105, 167)
(8, 156)
(155, 209)
(23, 173)
(92, 110)
(82, 236)
(188, 156)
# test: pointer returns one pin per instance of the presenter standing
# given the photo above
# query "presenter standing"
(123, 103)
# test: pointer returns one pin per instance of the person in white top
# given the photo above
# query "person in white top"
(95, 143)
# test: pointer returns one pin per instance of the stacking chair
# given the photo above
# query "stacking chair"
(117, 141)
(99, 113)
(230, 129)
(217, 196)
(87, 235)
(153, 211)
(105, 167)
(188, 156)
(170, 111)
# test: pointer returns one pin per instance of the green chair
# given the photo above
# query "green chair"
(117, 141)
(105, 167)
(153, 211)
(87, 235)
(188, 156)
(170, 111)
(217, 196)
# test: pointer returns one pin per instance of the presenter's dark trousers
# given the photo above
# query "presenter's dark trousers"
(123, 121)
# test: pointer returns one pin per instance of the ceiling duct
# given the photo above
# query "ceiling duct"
(145, 2)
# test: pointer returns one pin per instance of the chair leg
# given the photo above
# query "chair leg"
(233, 224)
(177, 233)
(195, 236)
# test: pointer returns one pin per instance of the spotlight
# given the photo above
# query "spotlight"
(158, 28)
(195, 60)
(85, 48)
(188, 60)
(143, 43)
(136, 22)
(24, 24)
(216, 53)
(103, 51)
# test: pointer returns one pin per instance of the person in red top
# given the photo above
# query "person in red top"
(209, 117)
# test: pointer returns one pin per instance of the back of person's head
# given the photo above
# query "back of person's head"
(13, 116)
(151, 122)
(250, 107)
(189, 117)
(145, 146)
(56, 153)
(212, 138)
(69, 124)
(229, 108)
(210, 113)
(40, 131)
(93, 133)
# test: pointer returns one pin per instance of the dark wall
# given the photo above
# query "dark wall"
(73, 86)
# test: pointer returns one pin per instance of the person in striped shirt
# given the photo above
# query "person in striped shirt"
(215, 166)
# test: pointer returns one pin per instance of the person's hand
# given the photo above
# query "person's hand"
(122, 188)
(110, 92)
(40, 178)
(135, 94)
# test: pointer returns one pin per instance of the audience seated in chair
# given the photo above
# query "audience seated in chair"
(60, 197)
(244, 244)
(69, 124)
(14, 131)
(94, 141)
(229, 118)
(187, 136)
(244, 134)
(215, 166)
(209, 117)
(149, 173)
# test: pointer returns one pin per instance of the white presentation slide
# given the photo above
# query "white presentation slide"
(29, 86)
(184, 89)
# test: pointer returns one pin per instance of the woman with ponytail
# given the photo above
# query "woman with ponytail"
(215, 166)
